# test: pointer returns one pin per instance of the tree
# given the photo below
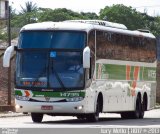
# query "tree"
(29, 7)
(59, 14)
(116, 13)
(89, 15)
(123, 14)
(29, 12)
(155, 26)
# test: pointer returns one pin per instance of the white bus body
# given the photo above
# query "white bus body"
(117, 75)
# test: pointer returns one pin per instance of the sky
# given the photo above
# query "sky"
(152, 7)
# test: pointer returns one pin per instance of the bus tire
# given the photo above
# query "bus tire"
(138, 110)
(126, 115)
(145, 102)
(37, 117)
(80, 117)
(95, 116)
(142, 110)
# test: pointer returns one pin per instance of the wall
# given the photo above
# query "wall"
(158, 70)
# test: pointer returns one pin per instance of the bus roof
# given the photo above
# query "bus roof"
(102, 23)
(86, 25)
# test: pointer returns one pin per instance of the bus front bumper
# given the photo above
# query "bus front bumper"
(47, 107)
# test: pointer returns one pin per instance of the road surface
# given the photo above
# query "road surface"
(151, 119)
(151, 122)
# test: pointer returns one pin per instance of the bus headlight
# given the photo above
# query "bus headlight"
(17, 106)
(23, 98)
(74, 99)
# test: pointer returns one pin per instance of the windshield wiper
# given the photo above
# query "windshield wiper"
(58, 78)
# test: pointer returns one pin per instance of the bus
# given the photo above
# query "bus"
(83, 68)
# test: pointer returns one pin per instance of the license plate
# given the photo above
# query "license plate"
(46, 107)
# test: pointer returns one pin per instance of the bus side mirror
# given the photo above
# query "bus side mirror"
(86, 57)
(7, 56)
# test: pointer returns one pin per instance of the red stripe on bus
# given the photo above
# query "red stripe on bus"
(128, 70)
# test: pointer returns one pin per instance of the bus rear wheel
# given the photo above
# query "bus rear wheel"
(142, 111)
(37, 117)
(138, 113)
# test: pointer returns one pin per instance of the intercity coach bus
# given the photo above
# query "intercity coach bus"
(83, 68)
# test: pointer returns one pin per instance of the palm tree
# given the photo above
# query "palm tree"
(29, 12)
(29, 7)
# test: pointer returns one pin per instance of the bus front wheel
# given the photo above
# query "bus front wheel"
(139, 110)
(95, 116)
(37, 117)
(80, 117)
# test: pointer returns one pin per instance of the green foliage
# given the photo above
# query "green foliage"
(59, 14)
(155, 26)
(3, 36)
(131, 18)
(116, 13)
(123, 14)
(88, 15)
(23, 19)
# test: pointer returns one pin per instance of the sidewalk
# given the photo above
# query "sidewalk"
(12, 114)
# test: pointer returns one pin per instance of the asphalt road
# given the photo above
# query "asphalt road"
(151, 119)
(108, 124)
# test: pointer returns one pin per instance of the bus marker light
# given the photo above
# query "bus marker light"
(79, 107)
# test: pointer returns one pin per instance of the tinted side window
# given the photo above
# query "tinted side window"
(104, 46)
(125, 47)
(91, 44)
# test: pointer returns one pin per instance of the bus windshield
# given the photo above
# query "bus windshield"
(57, 68)
(50, 39)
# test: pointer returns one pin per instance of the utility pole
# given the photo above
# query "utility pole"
(9, 44)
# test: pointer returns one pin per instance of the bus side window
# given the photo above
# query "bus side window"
(91, 44)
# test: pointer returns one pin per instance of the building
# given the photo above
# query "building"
(3, 13)
(3, 9)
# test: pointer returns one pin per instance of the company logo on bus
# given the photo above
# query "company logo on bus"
(47, 98)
